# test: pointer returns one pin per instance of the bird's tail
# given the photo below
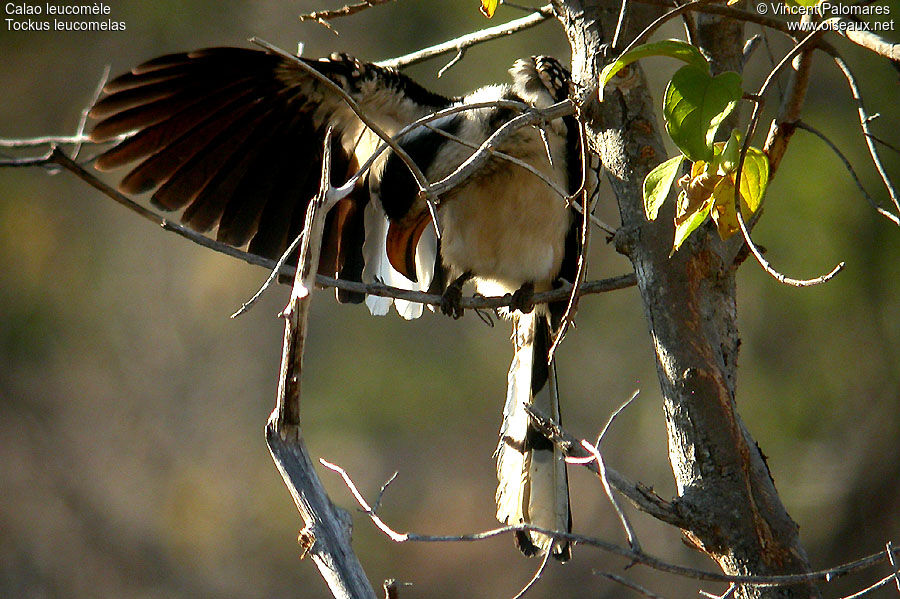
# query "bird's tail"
(533, 486)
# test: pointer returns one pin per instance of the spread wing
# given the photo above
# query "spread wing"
(234, 138)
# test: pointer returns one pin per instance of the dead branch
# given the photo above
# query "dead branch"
(326, 535)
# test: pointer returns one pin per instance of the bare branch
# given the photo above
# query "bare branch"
(323, 16)
(889, 547)
(460, 44)
(34, 142)
(635, 556)
(326, 536)
(57, 157)
(883, 582)
(594, 451)
(367, 509)
(273, 276)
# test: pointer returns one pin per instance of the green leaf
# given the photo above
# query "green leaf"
(657, 185)
(731, 153)
(672, 48)
(688, 224)
(754, 178)
(695, 105)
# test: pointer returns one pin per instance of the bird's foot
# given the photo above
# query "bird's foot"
(452, 297)
(523, 299)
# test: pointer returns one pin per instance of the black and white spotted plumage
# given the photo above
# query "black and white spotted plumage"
(233, 137)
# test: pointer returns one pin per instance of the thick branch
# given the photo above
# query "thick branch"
(723, 483)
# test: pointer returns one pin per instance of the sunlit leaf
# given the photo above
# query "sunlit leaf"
(730, 153)
(690, 221)
(695, 105)
(488, 7)
(657, 185)
(672, 48)
(754, 178)
(723, 212)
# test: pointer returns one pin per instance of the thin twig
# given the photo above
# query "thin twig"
(466, 41)
(864, 119)
(884, 581)
(367, 509)
(751, 128)
(640, 496)
(620, 24)
(615, 415)
(474, 162)
(886, 144)
(321, 16)
(607, 488)
(729, 592)
(889, 547)
(888, 215)
(536, 577)
(33, 142)
(783, 126)
(56, 156)
(629, 584)
(453, 61)
(273, 276)
(568, 316)
(82, 121)
(636, 556)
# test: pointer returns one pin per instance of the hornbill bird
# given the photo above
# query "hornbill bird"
(233, 137)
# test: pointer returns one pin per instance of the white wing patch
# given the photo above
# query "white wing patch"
(378, 268)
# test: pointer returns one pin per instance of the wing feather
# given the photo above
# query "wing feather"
(234, 137)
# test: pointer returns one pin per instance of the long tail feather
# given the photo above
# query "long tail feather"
(533, 486)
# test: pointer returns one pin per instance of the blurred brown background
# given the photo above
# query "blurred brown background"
(132, 460)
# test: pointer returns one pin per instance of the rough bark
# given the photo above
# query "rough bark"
(724, 487)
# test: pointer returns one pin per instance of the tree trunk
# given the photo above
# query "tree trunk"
(723, 482)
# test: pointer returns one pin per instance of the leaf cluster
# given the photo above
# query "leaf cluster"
(695, 105)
